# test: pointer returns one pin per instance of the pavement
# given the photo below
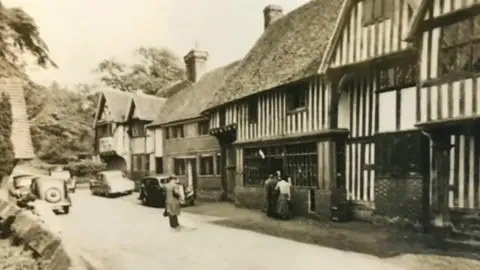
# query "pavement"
(114, 233)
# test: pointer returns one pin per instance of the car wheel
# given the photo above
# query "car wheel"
(66, 209)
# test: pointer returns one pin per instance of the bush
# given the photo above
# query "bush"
(7, 155)
(85, 168)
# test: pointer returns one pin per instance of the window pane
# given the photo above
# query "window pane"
(464, 31)
(476, 57)
(449, 35)
(476, 26)
(463, 57)
(447, 60)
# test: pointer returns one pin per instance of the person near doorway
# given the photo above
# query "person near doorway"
(284, 197)
(172, 202)
(271, 195)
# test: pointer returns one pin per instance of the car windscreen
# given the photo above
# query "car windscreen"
(23, 181)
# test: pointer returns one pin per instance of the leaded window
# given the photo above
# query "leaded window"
(297, 161)
(459, 50)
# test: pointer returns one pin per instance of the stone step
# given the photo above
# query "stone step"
(460, 234)
(468, 246)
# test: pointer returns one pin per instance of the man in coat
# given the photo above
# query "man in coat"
(271, 195)
(172, 202)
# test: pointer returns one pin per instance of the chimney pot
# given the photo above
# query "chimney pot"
(195, 62)
(271, 13)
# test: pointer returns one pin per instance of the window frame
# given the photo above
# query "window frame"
(384, 8)
(208, 170)
(257, 169)
(172, 132)
(471, 40)
(252, 111)
(297, 96)
(397, 81)
(203, 125)
(176, 169)
(138, 130)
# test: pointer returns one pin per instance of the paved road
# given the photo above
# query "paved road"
(118, 234)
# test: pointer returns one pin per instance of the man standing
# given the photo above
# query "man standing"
(172, 202)
(271, 195)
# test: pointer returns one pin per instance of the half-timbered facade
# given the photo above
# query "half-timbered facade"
(273, 113)
(374, 74)
(448, 111)
(111, 137)
(142, 110)
(189, 151)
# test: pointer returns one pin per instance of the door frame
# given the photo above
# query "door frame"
(193, 165)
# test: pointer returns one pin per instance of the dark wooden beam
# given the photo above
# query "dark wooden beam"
(451, 17)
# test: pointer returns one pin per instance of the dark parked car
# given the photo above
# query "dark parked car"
(152, 191)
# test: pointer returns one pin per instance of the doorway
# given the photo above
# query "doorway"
(229, 159)
(192, 173)
(276, 164)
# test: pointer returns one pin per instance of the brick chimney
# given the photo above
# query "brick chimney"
(271, 13)
(195, 61)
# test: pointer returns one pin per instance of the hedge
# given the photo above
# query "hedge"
(85, 168)
(7, 155)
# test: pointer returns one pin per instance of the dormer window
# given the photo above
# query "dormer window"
(252, 109)
(297, 96)
(375, 11)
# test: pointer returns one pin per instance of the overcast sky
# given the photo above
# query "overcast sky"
(81, 33)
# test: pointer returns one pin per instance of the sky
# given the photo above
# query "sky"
(81, 33)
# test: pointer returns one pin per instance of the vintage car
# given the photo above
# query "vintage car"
(63, 174)
(112, 182)
(152, 191)
(54, 191)
(20, 189)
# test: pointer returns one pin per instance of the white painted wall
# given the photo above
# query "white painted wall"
(158, 142)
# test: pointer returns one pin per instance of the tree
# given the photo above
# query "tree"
(63, 129)
(157, 68)
(19, 34)
(6, 147)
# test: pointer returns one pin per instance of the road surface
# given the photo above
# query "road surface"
(120, 235)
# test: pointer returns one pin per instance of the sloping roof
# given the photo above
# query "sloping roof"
(117, 103)
(173, 88)
(291, 48)
(146, 106)
(193, 99)
(21, 137)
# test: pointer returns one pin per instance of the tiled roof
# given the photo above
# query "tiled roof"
(147, 106)
(290, 49)
(190, 101)
(21, 137)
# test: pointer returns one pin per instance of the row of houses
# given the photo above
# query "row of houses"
(373, 99)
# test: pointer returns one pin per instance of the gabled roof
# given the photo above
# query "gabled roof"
(343, 18)
(21, 137)
(290, 49)
(147, 107)
(190, 101)
(116, 101)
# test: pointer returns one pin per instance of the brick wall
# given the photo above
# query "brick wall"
(399, 198)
